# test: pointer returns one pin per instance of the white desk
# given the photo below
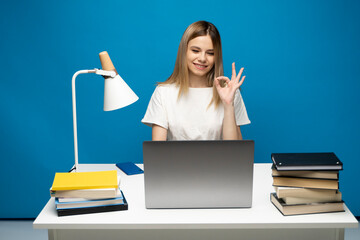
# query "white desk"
(262, 221)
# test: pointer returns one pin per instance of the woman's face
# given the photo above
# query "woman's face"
(200, 56)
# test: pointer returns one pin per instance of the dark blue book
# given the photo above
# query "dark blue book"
(306, 161)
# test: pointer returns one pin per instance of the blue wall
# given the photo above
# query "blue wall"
(301, 60)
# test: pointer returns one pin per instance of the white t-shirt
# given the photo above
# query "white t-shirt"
(190, 117)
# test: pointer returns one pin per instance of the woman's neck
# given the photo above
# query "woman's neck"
(197, 81)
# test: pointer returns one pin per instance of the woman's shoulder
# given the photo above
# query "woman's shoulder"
(165, 88)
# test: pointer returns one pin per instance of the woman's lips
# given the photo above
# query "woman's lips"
(200, 66)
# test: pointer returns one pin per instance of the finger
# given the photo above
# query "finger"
(242, 80)
(233, 75)
(223, 78)
(216, 82)
(239, 75)
(223, 81)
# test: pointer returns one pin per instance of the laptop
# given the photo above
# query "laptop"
(198, 174)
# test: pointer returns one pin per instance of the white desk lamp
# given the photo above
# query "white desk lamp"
(117, 93)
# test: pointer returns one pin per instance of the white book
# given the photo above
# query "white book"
(79, 199)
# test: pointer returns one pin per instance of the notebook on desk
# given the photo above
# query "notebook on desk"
(198, 174)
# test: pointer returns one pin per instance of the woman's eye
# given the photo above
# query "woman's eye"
(195, 51)
(211, 53)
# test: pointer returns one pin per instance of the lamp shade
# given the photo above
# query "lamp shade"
(117, 94)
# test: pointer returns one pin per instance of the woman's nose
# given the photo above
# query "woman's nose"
(202, 57)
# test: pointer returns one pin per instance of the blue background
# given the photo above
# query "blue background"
(301, 60)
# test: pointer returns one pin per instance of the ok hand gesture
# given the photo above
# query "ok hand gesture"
(227, 92)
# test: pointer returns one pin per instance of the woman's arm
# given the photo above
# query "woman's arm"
(159, 133)
(230, 130)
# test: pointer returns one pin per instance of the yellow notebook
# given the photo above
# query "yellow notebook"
(85, 180)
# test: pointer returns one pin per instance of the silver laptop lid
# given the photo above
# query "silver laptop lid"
(198, 174)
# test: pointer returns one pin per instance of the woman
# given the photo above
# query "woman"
(197, 102)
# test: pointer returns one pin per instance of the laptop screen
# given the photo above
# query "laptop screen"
(198, 174)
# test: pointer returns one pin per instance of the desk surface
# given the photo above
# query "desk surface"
(262, 215)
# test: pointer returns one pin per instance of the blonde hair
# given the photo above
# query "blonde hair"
(180, 75)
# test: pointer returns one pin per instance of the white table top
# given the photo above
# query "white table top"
(262, 214)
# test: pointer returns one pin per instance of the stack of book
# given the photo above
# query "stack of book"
(87, 192)
(306, 183)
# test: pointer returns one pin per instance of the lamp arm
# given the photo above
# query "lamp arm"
(74, 114)
(99, 72)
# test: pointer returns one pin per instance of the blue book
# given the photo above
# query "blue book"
(129, 168)
(68, 203)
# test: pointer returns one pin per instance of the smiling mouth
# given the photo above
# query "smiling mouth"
(200, 66)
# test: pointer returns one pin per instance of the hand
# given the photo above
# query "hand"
(227, 92)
